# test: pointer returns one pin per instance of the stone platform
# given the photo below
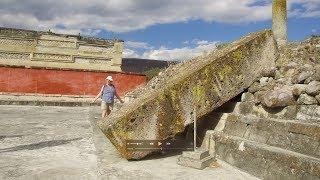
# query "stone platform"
(64, 143)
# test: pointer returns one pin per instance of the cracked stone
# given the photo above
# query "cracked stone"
(278, 98)
(307, 100)
(313, 88)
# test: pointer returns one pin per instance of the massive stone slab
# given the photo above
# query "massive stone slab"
(164, 109)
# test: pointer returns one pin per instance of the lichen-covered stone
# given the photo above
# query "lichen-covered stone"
(318, 98)
(264, 80)
(247, 97)
(307, 100)
(161, 112)
(313, 88)
(270, 72)
(298, 89)
(301, 77)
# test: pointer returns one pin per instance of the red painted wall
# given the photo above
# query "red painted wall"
(65, 82)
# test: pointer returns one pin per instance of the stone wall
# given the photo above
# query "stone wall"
(46, 49)
(64, 82)
(166, 105)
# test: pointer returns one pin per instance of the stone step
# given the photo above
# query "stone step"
(51, 100)
(264, 161)
(195, 163)
(292, 135)
(197, 154)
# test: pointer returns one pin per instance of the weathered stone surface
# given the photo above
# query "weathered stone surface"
(278, 75)
(301, 77)
(264, 80)
(266, 85)
(298, 89)
(316, 74)
(195, 163)
(247, 97)
(307, 99)
(308, 112)
(161, 112)
(264, 161)
(278, 98)
(270, 72)
(259, 96)
(197, 154)
(254, 87)
(313, 88)
(277, 133)
(318, 98)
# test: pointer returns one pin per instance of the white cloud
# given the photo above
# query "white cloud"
(128, 15)
(138, 45)
(124, 15)
(129, 53)
(310, 8)
(164, 53)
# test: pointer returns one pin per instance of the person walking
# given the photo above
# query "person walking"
(107, 94)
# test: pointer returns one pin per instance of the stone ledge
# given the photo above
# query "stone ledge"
(264, 161)
(293, 135)
(47, 100)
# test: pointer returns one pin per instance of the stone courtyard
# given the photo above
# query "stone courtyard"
(46, 142)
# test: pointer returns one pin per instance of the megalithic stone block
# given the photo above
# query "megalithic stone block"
(165, 109)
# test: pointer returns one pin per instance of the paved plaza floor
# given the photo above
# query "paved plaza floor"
(64, 143)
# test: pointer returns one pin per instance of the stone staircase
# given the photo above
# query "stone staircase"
(267, 147)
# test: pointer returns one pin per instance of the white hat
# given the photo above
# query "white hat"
(109, 78)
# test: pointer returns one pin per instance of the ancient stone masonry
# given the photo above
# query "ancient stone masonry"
(165, 106)
(49, 50)
(274, 131)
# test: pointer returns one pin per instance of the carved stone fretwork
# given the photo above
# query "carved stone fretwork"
(52, 57)
(51, 50)
(16, 42)
(87, 48)
(51, 43)
(10, 32)
(100, 61)
(12, 55)
(92, 60)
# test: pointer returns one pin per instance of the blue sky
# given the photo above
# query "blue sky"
(160, 29)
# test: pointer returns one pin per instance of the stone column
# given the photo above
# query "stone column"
(117, 55)
(279, 21)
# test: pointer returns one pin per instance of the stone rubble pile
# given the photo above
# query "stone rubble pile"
(290, 84)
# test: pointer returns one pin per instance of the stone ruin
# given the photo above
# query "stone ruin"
(163, 109)
(262, 92)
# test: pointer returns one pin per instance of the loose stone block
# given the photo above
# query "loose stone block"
(198, 159)
(164, 110)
